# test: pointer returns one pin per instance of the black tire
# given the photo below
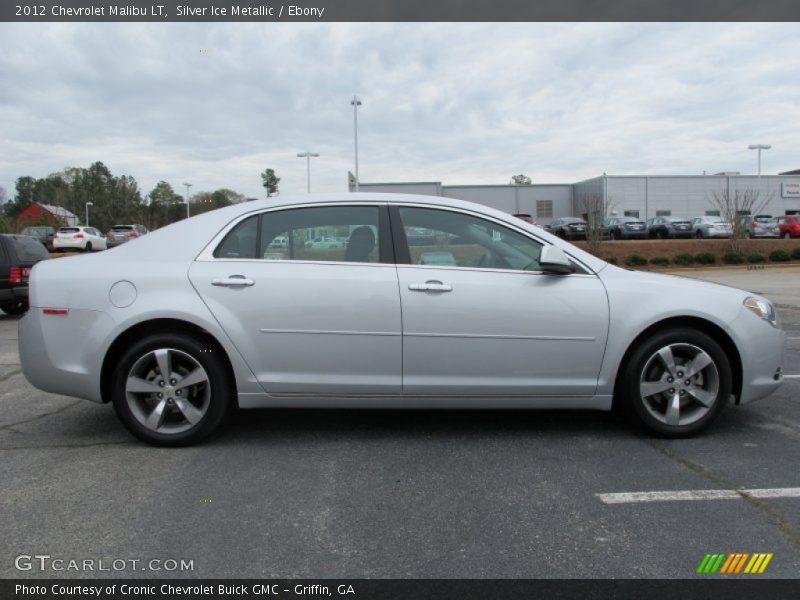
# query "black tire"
(88, 247)
(700, 235)
(15, 307)
(662, 235)
(614, 236)
(697, 416)
(214, 395)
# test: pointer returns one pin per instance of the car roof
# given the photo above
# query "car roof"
(200, 229)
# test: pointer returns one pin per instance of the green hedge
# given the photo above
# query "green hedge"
(683, 259)
(780, 256)
(659, 260)
(636, 260)
(756, 257)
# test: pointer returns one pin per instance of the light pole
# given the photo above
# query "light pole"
(88, 204)
(308, 156)
(188, 185)
(356, 103)
(759, 147)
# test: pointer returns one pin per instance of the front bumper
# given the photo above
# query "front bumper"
(761, 349)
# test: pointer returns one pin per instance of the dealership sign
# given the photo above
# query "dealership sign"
(790, 190)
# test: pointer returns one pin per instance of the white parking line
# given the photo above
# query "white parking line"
(631, 497)
(791, 376)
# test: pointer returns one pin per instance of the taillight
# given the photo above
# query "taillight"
(15, 275)
(78, 235)
(109, 235)
(56, 311)
(132, 234)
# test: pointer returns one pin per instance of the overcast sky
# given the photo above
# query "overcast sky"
(215, 104)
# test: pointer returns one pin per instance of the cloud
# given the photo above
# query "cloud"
(215, 104)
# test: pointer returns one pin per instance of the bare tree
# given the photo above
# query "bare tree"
(593, 209)
(733, 206)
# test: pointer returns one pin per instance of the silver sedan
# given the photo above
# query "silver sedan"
(209, 313)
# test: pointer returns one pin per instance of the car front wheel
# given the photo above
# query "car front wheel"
(676, 382)
(787, 235)
(171, 389)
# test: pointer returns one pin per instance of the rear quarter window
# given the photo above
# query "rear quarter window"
(28, 250)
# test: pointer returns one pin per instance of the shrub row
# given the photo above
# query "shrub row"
(707, 258)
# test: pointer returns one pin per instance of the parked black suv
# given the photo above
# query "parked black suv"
(18, 254)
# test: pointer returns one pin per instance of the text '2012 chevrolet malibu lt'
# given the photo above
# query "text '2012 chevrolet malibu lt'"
(422, 303)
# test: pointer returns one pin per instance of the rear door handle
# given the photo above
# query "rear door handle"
(232, 280)
(430, 286)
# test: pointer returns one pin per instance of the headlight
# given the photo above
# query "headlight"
(762, 308)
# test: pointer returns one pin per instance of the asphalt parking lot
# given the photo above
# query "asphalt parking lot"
(401, 494)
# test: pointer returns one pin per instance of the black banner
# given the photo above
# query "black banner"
(402, 589)
(398, 10)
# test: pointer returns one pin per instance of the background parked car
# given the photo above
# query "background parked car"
(669, 227)
(568, 228)
(42, 233)
(119, 234)
(711, 227)
(528, 218)
(18, 254)
(324, 242)
(624, 228)
(760, 226)
(79, 238)
(788, 226)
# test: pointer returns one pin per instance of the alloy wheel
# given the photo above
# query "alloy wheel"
(679, 384)
(168, 391)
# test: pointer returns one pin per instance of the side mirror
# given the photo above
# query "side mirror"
(553, 260)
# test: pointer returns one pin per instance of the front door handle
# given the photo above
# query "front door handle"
(232, 280)
(430, 286)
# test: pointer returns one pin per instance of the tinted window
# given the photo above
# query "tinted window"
(466, 241)
(28, 249)
(330, 233)
(122, 228)
(69, 230)
(240, 241)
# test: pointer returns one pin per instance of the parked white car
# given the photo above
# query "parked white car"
(711, 227)
(79, 238)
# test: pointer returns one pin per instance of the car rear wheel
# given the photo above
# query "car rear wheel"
(676, 382)
(15, 307)
(88, 247)
(171, 389)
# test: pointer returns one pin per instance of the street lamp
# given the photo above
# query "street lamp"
(308, 156)
(88, 204)
(356, 103)
(188, 185)
(759, 147)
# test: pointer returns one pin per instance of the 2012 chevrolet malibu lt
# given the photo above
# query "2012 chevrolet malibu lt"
(476, 309)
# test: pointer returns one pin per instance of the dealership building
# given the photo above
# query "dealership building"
(642, 196)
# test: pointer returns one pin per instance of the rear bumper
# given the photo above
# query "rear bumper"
(56, 363)
(15, 293)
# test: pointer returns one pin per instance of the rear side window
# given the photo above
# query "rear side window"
(28, 249)
(240, 241)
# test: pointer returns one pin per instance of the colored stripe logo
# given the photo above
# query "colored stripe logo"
(734, 563)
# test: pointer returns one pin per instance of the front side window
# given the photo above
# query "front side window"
(438, 237)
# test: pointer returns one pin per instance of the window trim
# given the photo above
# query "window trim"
(385, 249)
(404, 255)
